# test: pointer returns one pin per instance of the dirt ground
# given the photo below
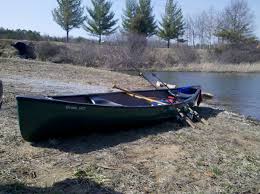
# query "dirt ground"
(168, 158)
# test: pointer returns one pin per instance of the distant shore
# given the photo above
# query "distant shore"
(204, 67)
(210, 67)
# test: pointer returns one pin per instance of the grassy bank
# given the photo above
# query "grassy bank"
(223, 157)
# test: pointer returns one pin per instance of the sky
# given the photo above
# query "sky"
(36, 14)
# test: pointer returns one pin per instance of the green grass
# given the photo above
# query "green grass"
(216, 171)
(92, 173)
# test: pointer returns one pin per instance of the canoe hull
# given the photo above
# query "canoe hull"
(41, 118)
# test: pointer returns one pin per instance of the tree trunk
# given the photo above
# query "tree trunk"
(67, 40)
(100, 39)
(193, 39)
(168, 44)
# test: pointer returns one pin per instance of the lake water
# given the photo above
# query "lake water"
(237, 92)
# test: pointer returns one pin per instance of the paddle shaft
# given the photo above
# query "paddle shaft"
(139, 96)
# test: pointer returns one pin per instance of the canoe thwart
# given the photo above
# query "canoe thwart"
(101, 101)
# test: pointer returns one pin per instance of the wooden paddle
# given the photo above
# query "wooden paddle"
(139, 96)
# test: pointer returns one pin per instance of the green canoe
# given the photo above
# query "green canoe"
(56, 116)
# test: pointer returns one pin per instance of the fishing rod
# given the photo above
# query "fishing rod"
(154, 75)
(142, 75)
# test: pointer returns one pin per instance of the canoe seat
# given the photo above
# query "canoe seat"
(101, 101)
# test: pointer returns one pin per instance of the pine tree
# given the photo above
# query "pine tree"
(101, 19)
(69, 15)
(129, 14)
(172, 25)
(139, 18)
(146, 19)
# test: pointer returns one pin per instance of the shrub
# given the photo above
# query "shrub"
(236, 53)
(54, 52)
(185, 55)
(47, 51)
(135, 50)
(85, 54)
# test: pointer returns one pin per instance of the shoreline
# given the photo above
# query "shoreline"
(200, 67)
(145, 160)
(205, 68)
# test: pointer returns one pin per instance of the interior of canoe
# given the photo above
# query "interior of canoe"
(123, 99)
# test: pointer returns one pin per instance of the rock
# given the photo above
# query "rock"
(25, 51)
(206, 95)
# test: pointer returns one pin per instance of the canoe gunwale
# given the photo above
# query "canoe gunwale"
(51, 99)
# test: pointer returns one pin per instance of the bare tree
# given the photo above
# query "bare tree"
(237, 22)
(201, 28)
(211, 24)
(190, 30)
(196, 29)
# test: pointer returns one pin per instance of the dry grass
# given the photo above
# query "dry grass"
(223, 157)
(211, 67)
(6, 50)
(36, 70)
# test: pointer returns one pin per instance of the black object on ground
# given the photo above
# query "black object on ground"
(25, 51)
